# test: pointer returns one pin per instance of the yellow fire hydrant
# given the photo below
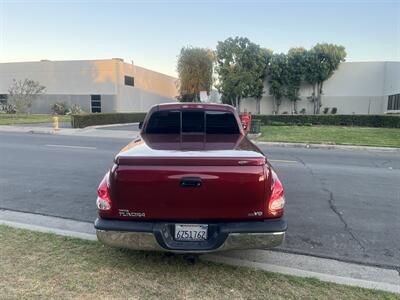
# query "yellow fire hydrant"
(55, 122)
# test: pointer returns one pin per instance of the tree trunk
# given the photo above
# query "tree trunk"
(314, 100)
(319, 97)
(277, 106)
(238, 105)
(274, 106)
(258, 105)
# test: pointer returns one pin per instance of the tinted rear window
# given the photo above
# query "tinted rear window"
(210, 121)
(220, 122)
(164, 122)
(193, 121)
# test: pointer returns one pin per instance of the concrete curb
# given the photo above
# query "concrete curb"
(327, 146)
(79, 235)
(113, 125)
(394, 288)
(274, 261)
(26, 129)
(48, 224)
(87, 132)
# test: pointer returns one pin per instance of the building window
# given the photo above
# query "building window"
(394, 102)
(95, 101)
(129, 80)
(3, 98)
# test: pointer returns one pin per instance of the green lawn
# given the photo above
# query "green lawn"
(383, 137)
(40, 266)
(9, 119)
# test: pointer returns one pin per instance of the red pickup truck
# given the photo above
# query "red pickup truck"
(192, 182)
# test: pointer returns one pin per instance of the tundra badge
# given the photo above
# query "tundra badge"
(127, 213)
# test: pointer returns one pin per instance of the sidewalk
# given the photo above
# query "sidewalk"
(93, 131)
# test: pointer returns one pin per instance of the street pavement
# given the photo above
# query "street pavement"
(342, 204)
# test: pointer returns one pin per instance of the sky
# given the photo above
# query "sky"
(151, 33)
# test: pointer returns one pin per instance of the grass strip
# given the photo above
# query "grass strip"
(335, 135)
(40, 265)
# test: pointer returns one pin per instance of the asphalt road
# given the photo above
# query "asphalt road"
(341, 204)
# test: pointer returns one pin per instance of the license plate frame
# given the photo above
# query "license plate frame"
(191, 232)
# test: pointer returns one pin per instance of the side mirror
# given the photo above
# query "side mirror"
(140, 125)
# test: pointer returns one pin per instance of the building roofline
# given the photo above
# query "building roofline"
(57, 60)
(87, 60)
(372, 61)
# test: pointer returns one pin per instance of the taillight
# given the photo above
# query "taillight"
(277, 201)
(103, 201)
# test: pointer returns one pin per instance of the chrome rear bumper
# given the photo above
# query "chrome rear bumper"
(159, 239)
(148, 241)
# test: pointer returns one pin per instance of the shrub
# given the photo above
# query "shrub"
(326, 110)
(334, 110)
(75, 109)
(59, 108)
(8, 108)
(84, 120)
(275, 123)
(388, 121)
(303, 111)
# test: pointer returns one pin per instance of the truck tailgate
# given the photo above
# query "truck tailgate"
(183, 192)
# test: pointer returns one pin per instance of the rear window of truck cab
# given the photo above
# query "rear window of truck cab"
(192, 122)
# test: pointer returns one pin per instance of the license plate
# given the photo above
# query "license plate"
(191, 232)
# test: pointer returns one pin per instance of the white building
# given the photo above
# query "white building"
(355, 88)
(113, 85)
(96, 85)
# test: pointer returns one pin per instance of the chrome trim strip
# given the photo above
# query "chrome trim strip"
(147, 241)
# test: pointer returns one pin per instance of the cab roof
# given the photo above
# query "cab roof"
(194, 105)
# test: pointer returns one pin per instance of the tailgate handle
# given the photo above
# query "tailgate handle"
(190, 182)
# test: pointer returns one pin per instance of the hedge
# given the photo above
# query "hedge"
(84, 120)
(388, 121)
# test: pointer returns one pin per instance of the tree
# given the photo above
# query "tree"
(195, 70)
(277, 75)
(321, 62)
(22, 93)
(267, 55)
(296, 66)
(240, 68)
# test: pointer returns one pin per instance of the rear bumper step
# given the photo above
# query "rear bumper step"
(222, 236)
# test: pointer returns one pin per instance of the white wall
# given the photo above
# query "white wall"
(150, 88)
(63, 77)
(74, 81)
(44, 102)
(392, 78)
(356, 79)
(135, 99)
(355, 88)
(150, 81)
